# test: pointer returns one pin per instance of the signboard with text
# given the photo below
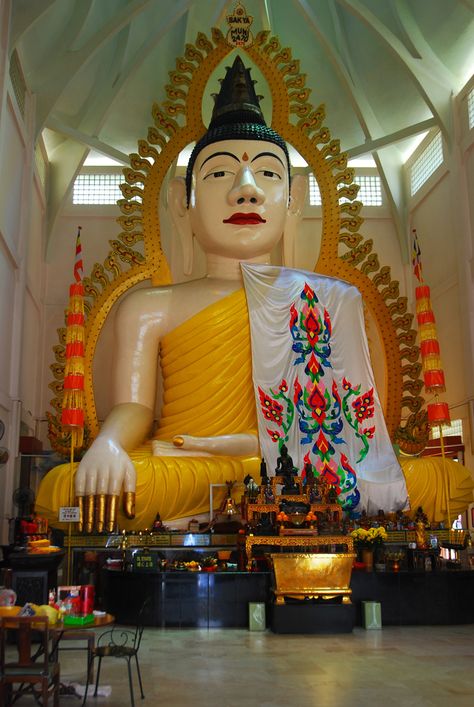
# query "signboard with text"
(69, 514)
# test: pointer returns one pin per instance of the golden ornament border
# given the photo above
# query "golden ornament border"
(178, 122)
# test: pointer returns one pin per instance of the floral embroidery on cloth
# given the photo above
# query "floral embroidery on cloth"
(324, 417)
(314, 385)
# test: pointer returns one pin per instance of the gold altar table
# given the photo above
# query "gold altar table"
(301, 541)
(312, 576)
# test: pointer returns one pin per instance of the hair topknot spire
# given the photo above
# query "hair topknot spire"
(236, 116)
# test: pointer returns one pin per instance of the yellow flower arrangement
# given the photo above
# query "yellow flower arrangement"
(368, 538)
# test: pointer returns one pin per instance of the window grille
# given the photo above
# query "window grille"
(370, 192)
(18, 82)
(470, 108)
(424, 166)
(97, 189)
(314, 193)
(452, 430)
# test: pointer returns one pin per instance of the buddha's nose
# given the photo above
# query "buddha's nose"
(245, 189)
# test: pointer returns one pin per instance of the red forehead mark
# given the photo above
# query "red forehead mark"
(245, 157)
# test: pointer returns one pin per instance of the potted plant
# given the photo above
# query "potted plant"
(209, 564)
(367, 540)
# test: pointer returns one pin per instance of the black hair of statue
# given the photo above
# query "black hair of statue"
(236, 116)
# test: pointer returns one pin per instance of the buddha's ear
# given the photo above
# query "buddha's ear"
(299, 189)
(181, 220)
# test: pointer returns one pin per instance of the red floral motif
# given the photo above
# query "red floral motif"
(283, 386)
(312, 326)
(369, 432)
(335, 392)
(313, 366)
(364, 405)
(347, 385)
(327, 322)
(329, 473)
(317, 402)
(274, 434)
(293, 316)
(297, 391)
(272, 410)
(308, 292)
(322, 443)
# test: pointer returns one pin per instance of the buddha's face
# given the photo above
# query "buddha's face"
(239, 198)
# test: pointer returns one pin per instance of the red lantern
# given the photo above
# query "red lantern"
(438, 414)
(72, 415)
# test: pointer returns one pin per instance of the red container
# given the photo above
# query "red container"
(87, 597)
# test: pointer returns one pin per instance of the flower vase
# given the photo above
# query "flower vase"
(368, 559)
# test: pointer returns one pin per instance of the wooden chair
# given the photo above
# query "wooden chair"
(119, 642)
(32, 667)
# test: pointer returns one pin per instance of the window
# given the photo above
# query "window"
(314, 193)
(470, 108)
(97, 189)
(370, 192)
(452, 430)
(428, 161)
(18, 82)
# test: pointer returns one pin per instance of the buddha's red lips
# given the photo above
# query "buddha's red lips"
(239, 219)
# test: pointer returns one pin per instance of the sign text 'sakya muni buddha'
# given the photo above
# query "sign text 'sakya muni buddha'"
(236, 201)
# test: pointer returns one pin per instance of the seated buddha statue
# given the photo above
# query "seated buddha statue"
(237, 203)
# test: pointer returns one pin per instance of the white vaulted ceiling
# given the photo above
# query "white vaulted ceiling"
(386, 69)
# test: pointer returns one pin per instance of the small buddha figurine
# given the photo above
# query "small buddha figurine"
(157, 524)
(286, 469)
(315, 492)
(284, 465)
(420, 535)
(420, 516)
(251, 488)
(332, 494)
(323, 489)
(268, 494)
(263, 471)
(400, 520)
(308, 479)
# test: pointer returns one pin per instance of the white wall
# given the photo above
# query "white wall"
(17, 359)
(442, 214)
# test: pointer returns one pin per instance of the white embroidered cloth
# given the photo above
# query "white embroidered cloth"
(314, 385)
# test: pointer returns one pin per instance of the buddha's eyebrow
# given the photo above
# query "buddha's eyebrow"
(267, 154)
(218, 154)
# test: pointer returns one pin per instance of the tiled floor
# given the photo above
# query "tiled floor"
(403, 667)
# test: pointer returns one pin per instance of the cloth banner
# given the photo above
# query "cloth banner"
(314, 385)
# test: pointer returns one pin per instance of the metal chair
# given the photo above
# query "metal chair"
(119, 642)
(79, 635)
(33, 666)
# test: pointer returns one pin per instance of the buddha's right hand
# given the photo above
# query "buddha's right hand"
(103, 471)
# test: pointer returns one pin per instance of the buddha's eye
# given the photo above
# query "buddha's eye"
(216, 174)
(270, 174)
